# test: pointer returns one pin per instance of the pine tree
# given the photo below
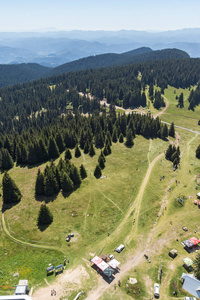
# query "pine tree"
(121, 138)
(172, 130)
(86, 148)
(68, 154)
(75, 175)
(114, 135)
(105, 151)
(51, 186)
(198, 152)
(45, 216)
(39, 185)
(60, 142)
(101, 162)
(164, 132)
(11, 193)
(97, 171)
(83, 172)
(91, 150)
(6, 160)
(42, 154)
(77, 151)
(67, 183)
(53, 151)
(197, 266)
(129, 139)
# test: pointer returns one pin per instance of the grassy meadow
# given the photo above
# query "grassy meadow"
(110, 204)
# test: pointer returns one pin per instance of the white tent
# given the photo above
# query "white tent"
(114, 263)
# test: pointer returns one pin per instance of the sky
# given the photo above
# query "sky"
(39, 15)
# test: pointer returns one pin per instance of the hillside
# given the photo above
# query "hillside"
(111, 59)
(15, 74)
(136, 202)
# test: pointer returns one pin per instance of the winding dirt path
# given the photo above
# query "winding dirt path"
(20, 242)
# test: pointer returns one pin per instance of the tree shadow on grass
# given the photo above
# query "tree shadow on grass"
(46, 199)
(8, 206)
(67, 194)
(43, 227)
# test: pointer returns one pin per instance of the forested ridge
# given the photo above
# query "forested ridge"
(36, 120)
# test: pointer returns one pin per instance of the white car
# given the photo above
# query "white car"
(190, 298)
(120, 248)
(156, 290)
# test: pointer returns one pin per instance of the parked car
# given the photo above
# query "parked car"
(156, 290)
(120, 248)
(190, 298)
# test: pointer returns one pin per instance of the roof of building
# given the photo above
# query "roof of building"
(103, 265)
(23, 282)
(114, 263)
(16, 297)
(191, 284)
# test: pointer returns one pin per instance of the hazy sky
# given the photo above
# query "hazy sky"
(26, 15)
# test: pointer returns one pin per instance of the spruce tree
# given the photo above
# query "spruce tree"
(101, 162)
(53, 151)
(197, 266)
(129, 138)
(97, 171)
(164, 131)
(11, 193)
(39, 185)
(45, 216)
(198, 152)
(114, 135)
(77, 151)
(68, 154)
(86, 148)
(83, 172)
(91, 150)
(172, 130)
(67, 183)
(75, 175)
(6, 160)
(105, 151)
(121, 138)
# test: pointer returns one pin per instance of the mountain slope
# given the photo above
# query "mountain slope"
(111, 59)
(14, 74)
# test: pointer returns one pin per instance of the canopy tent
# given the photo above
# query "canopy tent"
(108, 272)
(96, 260)
(198, 194)
(59, 268)
(103, 266)
(188, 262)
(114, 263)
(191, 242)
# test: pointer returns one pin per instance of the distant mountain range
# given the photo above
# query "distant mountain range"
(58, 47)
(19, 73)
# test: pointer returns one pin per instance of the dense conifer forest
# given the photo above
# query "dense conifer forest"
(39, 120)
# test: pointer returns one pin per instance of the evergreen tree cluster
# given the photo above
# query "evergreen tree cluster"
(65, 176)
(194, 98)
(173, 154)
(40, 145)
(159, 101)
(198, 152)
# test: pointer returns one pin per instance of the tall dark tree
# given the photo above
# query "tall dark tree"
(129, 138)
(164, 131)
(198, 152)
(6, 161)
(11, 193)
(97, 171)
(180, 101)
(68, 154)
(67, 183)
(75, 175)
(77, 151)
(53, 150)
(45, 216)
(39, 185)
(172, 130)
(197, 266)
(91, 150)
(83, 172)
